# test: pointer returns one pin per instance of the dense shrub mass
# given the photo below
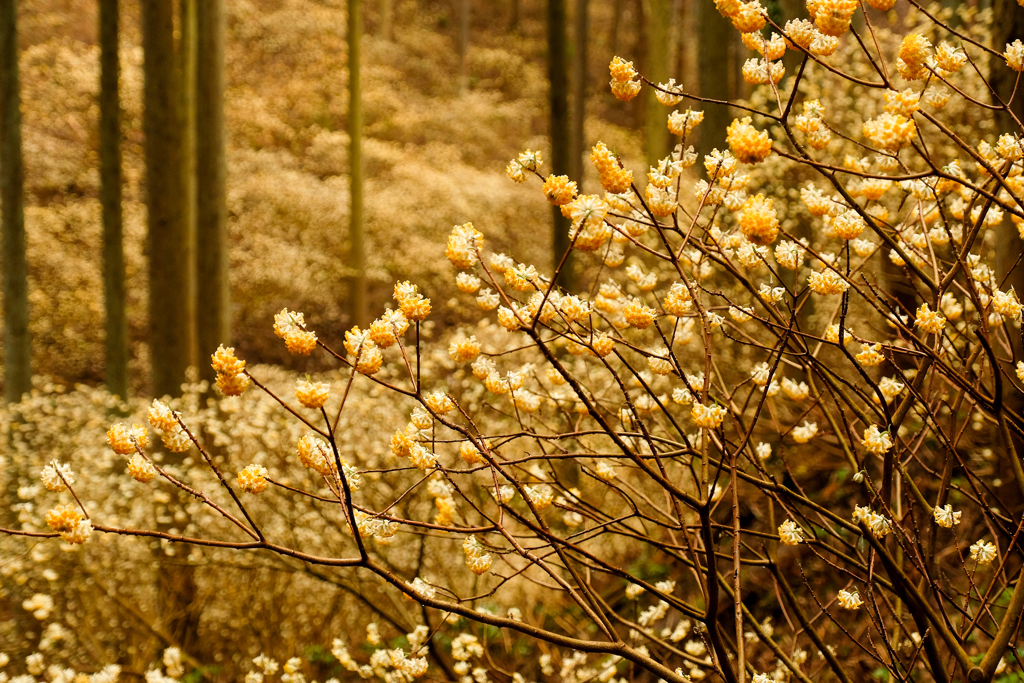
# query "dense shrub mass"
(772, 436)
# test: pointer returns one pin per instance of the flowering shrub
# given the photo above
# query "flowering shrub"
(736, 454)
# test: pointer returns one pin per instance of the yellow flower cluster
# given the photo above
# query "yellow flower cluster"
(762, 71)
(846, 599)
(902, 103)
(625, 82)
(638, 314)
(141, 469)
(56, 475)
(804, 34)
(589, 231)
(879, 525)
(291, 326)
(661, 202)
(678, 301)
(165, 422)
(559, 190)
(1015, 55)
(69, 523)
(464, 245)
(772, 48)
(848, 225)
(875, 441)
(759, 221)
(707, 416)
(827, 282)
(312, 394)
(747, 143)
(912, 63)
(124, 440)
(747, 17)
(667, 93)
(232, 379)
(805, 432)
(367, 358)
(463, 349)
(812, 124)
(790, 533)
(477, 558)
(929, 321)
(413, 304)
(315, 454)
(832, 17)
(253, 478)
(682, 123)
(614, 178)
(891, 132)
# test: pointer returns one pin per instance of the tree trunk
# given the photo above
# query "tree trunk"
(674, 30)
(357, 256)
(188, 56)
(213, 307)
(17, 342)
(170, 326)
(713, 75)
(513, 22)
(110, 200)
(659, 19)
(579, 92)
(560, 145)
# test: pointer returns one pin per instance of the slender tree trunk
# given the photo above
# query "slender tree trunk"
(188, 55)
(513, 22)
(713, 74)
(659, 19)
(213, 314)
(560, 145)
(357, 256)
(387, 19)
(170, 327)
(579, 92)
(110, 200)
(674, 30)
(17, 342)
(465, 11)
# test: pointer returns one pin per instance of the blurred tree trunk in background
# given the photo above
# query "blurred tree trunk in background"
(1009, 267)
(715, 32)
(675, 30)
(558, 94)
(357, 255)
(17, 342)
(613, 40)
(170, 327)
(659, 19)
(513, 22)
(387, 19)
(213, 306)
(188, 56)
(116, 371)
(465, 11)
(579, 92)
